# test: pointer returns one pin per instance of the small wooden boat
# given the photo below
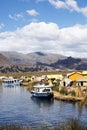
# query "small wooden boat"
(42, 91)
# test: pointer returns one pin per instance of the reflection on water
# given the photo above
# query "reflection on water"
(42, 103)
(80, 107)
(18, 106)
(45, 102)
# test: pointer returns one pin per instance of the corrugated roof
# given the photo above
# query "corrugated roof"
(84, 72)
(82, 80)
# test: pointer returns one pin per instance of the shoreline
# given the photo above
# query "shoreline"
(68, 98)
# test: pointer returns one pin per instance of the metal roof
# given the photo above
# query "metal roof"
(82, 80)
(41, 86)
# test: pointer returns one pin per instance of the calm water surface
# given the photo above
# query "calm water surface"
(18, 107)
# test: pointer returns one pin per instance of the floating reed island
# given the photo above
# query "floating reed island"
(68, 98)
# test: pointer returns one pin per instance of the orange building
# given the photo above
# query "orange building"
(75, 75)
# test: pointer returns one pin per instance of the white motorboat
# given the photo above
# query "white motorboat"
(11, 82)
(42, 91)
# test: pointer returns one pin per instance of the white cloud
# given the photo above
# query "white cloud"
(71, 5)
(32, 12)
(1, 25)
(47, 37)
(58, 4)
(84, 11)
(15, 16)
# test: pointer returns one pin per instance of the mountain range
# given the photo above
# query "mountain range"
(39, 61)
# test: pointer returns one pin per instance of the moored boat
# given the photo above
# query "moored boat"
(42, 91)
(11, 82)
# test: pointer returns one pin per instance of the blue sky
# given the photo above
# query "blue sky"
(51, 26)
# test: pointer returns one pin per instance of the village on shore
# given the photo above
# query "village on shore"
(69, 86)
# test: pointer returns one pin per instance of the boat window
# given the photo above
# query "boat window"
(38, 89)
(44, 90)
(48, 90)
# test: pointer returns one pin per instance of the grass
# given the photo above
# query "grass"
(85, 101)
(73, 124)
(72, 93)
(55, 88)
(14, 127)
(33, 73)
(63, 91)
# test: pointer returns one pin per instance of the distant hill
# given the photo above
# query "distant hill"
(39, 61)
(4, 60)
(68, 63)
(32, 58)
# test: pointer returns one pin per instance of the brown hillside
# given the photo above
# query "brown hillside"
(4, 60)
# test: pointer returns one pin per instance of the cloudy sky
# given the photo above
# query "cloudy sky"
(51, 26)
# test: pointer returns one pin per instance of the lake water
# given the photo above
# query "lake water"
(18, 107)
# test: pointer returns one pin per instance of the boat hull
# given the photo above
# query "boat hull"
(42, 95)
(10, 84)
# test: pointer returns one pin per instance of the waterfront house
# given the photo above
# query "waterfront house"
(75, 75)
(54, 79)
(82, 82)
(84, 73)
(54, 76)
(65, 82)
(42, 78)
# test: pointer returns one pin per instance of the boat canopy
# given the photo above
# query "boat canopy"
(42, 86)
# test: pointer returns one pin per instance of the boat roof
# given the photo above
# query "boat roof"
(42, 86)
(10, 79)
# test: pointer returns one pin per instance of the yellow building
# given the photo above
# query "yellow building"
(54, 76)
(75, 75)
(84, 73)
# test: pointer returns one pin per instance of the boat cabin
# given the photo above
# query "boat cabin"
(42, 88)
